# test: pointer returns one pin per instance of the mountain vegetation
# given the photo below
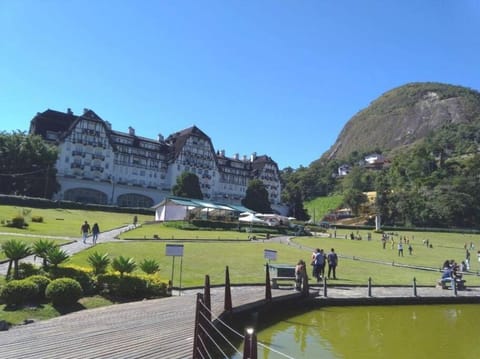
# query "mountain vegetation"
(430, 134)
(27, 165)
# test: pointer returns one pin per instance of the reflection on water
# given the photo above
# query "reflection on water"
(436, 331)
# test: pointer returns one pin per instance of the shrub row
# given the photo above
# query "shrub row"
(67, 284)
(46, 203)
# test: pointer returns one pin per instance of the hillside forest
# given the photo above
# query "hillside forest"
(432, 183)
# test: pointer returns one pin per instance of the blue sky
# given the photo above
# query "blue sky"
(275, 77)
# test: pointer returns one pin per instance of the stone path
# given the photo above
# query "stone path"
(76, 245)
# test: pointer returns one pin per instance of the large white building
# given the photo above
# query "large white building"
(97, 164)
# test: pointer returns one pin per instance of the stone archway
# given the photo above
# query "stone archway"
(86, 195)
(134, 200)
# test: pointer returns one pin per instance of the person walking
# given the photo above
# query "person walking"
(95, 233)
(318, 261)
(332, 263)
(400, 249)
(85, 230)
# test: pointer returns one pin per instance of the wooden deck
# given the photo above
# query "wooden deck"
(163, 328)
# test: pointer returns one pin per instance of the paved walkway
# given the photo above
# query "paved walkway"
(76, 245)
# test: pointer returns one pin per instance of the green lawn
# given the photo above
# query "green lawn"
(64, 222)
(246, 260)
(29, 240)
(321, 206)
(149, 231)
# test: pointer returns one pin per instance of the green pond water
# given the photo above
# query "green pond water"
(413, 331)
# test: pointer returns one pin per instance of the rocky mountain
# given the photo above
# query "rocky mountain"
(405, 115)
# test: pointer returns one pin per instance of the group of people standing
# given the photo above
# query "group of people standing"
(85, 230)
(320, 260)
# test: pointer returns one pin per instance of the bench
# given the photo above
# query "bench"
(281, 273)
(274, 281)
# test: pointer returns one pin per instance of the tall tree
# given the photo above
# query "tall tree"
(27, 165)
(256, 197)
(188, 186)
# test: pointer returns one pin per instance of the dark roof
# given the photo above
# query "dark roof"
(51, 120)
(177, 140)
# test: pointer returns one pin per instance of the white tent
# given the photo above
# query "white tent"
(177, 208)
(172, 210)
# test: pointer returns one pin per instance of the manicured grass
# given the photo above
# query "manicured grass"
(149, 231)
(64, 222)
(445, 246)
(29, 240)
(246, 261)
(48, 311)
(321, 206)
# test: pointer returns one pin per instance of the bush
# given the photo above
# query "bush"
(19, 292)
(42, 282)
(26, 270)
(155, 286)
(131, 287)
(64, 291)
(37, 219)
(18, 222)
(83, 276)
(107, 284)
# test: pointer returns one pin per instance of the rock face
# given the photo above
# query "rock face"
(405, 115)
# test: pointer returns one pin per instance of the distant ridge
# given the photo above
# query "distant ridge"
(405, 115)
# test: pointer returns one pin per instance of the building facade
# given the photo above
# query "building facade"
(97, 164)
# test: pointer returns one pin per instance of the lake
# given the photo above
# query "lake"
(408, 331)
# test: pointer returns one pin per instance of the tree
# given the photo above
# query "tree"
(27, 165)
(293, 197)
(98, 262)
(15, 250)
(354, 199)
(123, 265)
(256, 197)
(188, 186)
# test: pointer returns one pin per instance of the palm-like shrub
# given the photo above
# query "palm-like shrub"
(41, 248)
(56, 256)
(98, 262)
(64, 291)
(123, 265)
(149, 266)
(15, 250)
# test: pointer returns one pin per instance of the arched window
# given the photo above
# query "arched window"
(134, 200)
(86, 195)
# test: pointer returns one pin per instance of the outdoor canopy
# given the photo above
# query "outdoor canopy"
(176, 208)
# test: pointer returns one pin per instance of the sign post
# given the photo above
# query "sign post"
(270, 254)
(175, 250)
